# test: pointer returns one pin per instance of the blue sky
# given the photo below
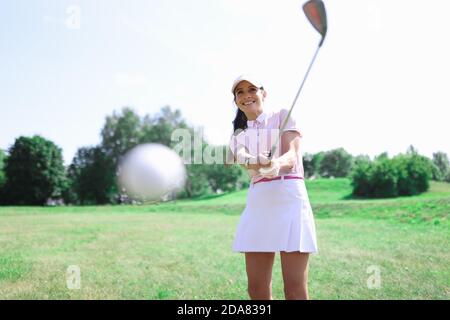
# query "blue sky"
(380, 82)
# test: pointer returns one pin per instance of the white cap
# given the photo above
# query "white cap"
(246, 77)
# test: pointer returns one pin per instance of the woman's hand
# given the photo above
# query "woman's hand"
(272, 170)
(257, 162)
(290, 144)
(263, 159)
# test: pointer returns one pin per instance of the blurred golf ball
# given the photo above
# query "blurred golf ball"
(151, 172)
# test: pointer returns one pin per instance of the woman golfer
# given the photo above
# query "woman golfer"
(278, 215)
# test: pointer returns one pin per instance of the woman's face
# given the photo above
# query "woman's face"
(249, 98)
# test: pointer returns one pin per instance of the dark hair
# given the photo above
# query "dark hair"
(240, 121)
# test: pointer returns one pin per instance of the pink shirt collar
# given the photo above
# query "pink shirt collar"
(259, 120)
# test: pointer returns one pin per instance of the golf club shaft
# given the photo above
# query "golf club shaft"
(274, 147)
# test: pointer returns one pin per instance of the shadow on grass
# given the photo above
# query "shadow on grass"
(353, 197)
(209, 196)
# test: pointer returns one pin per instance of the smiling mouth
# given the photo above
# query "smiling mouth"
(248, 103)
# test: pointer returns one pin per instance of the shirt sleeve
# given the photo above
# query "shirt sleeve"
(291, 124)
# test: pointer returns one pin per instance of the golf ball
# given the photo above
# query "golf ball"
(151, 172)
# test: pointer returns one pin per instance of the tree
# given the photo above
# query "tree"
(92, 174)
(214, 177)
(308, 164)
(316, 161)
(2, 175)
(124, 130)
(2, 164)
(411, 150)
(159, 128)
(441, 161)
(383, 155)
(222, 178)
(311, 164)
(92, 177)
(121, 132)
(34, 172)
(361, 158)
(336, 163)
(197, 183)
(447, 177)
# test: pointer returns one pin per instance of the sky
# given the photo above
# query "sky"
(380, 82)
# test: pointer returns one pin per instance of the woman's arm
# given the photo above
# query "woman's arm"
(290, 146)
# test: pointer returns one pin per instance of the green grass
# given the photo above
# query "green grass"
(182, 249)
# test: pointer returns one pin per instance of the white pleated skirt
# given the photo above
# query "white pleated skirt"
(277, 217)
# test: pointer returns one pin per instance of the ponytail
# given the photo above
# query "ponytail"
(240, 121)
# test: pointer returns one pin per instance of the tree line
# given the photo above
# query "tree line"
(32, 171)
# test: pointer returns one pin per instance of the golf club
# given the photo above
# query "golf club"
(316, 14)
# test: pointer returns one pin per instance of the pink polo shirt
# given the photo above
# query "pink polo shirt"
(259, 137)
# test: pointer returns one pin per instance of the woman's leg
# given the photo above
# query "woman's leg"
(259, 274)
(294, 266)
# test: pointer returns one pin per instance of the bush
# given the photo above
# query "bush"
(383, 179)
(360, 176)
(414, 174)
(336, 163)
(401, 176)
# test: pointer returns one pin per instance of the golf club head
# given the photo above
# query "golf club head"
(317, 16)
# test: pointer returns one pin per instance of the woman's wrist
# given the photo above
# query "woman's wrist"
(286, 161)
